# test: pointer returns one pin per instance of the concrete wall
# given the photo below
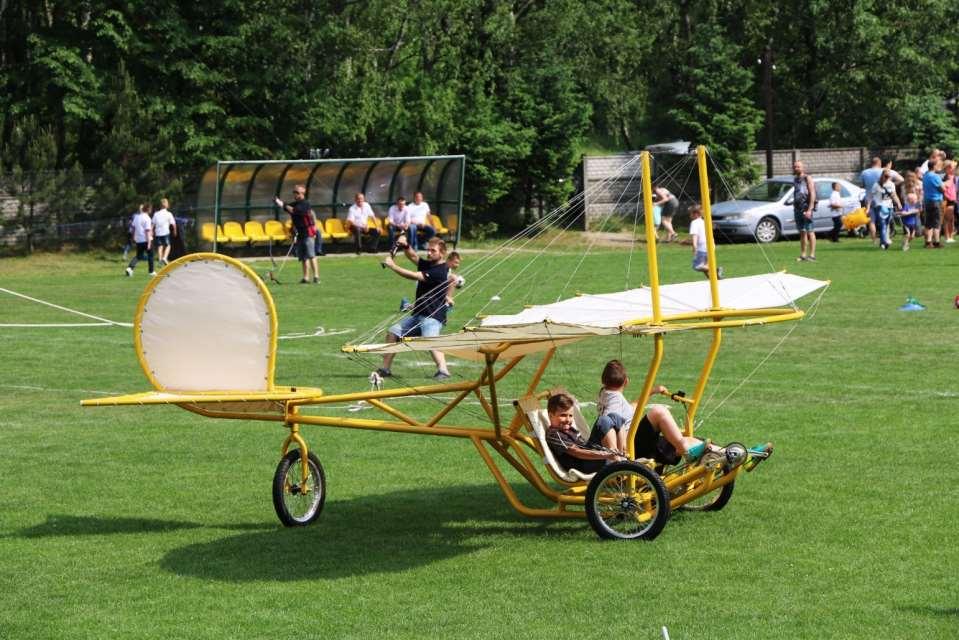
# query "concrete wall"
(602, 197)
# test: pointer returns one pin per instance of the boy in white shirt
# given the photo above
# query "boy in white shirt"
(163, 224)
(697, 234)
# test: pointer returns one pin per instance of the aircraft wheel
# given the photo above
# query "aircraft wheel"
(298, 504)
(712, 501)
(627, 500)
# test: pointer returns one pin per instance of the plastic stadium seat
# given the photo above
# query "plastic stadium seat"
(377, 223)
(335, 229)
(234, 232)
(275, 230)
(437, 224)
(254, 230)
(206, 232)
(452, 223)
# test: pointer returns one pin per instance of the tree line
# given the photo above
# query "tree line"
(107, 103)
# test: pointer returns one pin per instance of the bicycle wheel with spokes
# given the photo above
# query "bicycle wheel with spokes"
(626, 501)
(298, 503)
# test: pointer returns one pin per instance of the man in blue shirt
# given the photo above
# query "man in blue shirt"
(932, 189)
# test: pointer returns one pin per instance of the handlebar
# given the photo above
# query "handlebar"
(679, 396)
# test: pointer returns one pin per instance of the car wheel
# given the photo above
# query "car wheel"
(767, 230)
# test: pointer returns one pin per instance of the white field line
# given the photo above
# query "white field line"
(67, 309)
(320, 332)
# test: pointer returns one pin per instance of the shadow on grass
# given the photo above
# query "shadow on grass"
(929, 610)
(67, 525)
(384, 533)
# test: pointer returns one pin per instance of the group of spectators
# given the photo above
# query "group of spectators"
(402, 219)
(926, 196)
(148, 229)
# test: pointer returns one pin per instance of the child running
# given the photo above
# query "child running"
(697, 233)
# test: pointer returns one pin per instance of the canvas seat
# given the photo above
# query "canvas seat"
(537, 420)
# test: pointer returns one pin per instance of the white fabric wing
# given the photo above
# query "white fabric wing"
(543, 326)
(207, 326)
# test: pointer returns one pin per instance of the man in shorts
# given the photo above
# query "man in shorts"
(302, 218)
(428, 313)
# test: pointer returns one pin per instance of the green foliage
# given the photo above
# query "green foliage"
(146, 95)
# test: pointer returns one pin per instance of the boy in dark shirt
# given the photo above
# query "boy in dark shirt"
(658, 437)
(428, 314)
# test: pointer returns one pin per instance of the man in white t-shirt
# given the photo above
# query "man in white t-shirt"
(163, 224)
(143, 237)
(358, 223)
(419, 221)
(697, 233)
(397, 220)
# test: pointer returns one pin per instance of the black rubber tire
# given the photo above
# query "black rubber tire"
(765, 238)
(713, 501)
(603, 486)
(283, 491)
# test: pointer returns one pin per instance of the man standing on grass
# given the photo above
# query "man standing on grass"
(143, 237)
(302, 218)
(428, 314)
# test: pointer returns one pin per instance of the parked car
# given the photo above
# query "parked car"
(765, 211)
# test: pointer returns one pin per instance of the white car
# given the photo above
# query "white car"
(765, 211)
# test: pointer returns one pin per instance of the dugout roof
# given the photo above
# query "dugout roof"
(243, 190)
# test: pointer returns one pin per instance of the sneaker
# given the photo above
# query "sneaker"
(384, 373)
(441, 375)
(811, 258)
(128, 271)
(801, 259)
(304, 281)
(719, 273)
(316, 280)
(905, 247)
(153, 273)
(936, 245)
(950, 240)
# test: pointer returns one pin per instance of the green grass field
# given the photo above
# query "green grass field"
(158, 523)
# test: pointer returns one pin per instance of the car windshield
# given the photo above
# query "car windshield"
(766, 191)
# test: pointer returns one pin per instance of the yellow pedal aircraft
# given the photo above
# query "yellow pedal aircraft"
(223, 368)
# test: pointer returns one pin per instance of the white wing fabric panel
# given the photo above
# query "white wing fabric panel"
(616, 309)
(206, 327)
(543, 326)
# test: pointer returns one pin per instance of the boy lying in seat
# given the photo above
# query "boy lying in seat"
(658, 436)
